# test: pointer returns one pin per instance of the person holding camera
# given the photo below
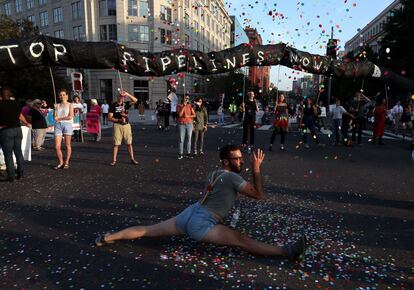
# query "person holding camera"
(118, 114)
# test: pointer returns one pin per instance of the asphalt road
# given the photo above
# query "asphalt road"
(356, 205)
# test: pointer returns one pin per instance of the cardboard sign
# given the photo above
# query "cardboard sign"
(93, 125)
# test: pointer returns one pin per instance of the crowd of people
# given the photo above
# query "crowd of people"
(347, 121)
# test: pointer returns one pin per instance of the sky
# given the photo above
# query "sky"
(305, 25)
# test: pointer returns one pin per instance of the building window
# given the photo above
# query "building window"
(44, 20)
(42, 2)
(165, 13)
(187, 3)
(78, 32)
(106, 89)
(108, 32)
(187, 21)
(107, 8)
(7, 8)
(30, 4)
(133, 7)
(18, 4)
(166, 36)
(143, 8)
(57, 15)
(202, 33)
(32, 19)
(138, 33)
(59, 34)
(77, 10)
(208, 20)
(187, 41)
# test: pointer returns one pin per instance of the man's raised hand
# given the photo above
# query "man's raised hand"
(257, 159)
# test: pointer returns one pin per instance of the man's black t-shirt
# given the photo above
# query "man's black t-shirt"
(38, 120)
(309, 111)
(9, 114)
(118, 110)
(250, 107)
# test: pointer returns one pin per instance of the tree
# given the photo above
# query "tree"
(231, 84)
(397, 45)
(32, 82)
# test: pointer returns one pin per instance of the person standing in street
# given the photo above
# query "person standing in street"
(141, 110)
(203, 220)
(233, 111)
(281, 122)
(337, 113)
(11, 134)
(96, 109)
(200, 127)
(220, 114)
(307, 122)
(63, 128)
(185, 118)
(396, 113)
(249, 122)
(105, 111)
(39, 125)
(358, 111)
(77, 118)
(380, 115)
(122, 131)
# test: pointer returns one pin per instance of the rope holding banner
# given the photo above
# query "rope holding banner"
(120, 80)
(53, 84)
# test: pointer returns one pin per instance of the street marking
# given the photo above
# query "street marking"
(265, 127)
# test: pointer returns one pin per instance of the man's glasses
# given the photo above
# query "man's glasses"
(237, 158)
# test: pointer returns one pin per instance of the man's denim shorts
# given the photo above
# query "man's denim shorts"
(63, 129)
(195, 221)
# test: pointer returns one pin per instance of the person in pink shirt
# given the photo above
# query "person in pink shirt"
(96, 109)
(26, 109)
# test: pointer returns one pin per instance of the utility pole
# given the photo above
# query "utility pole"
(330, 77)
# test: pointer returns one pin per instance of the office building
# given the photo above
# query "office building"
(145, 25)
(373, 32)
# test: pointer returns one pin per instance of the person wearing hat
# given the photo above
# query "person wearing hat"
(39, 125)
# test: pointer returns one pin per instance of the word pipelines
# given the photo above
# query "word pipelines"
(44, 50)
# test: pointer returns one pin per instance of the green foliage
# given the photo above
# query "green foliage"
(397, 46)
(231, 84)
(27, 83)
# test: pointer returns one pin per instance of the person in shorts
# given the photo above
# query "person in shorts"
(63, 128)
(203, 220)
(122, 129)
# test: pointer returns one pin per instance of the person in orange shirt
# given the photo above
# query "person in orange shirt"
(185, 114)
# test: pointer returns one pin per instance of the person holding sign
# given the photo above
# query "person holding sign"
(203, 220)
(63, 128)
(122, 129)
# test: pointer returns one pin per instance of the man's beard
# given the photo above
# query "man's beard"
(236, 169)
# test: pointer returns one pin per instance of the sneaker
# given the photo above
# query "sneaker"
(195, 153)
(100, 241)
(201, 153)
(180, 156)
(307, 146)
(282, 147)
(295, 250)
